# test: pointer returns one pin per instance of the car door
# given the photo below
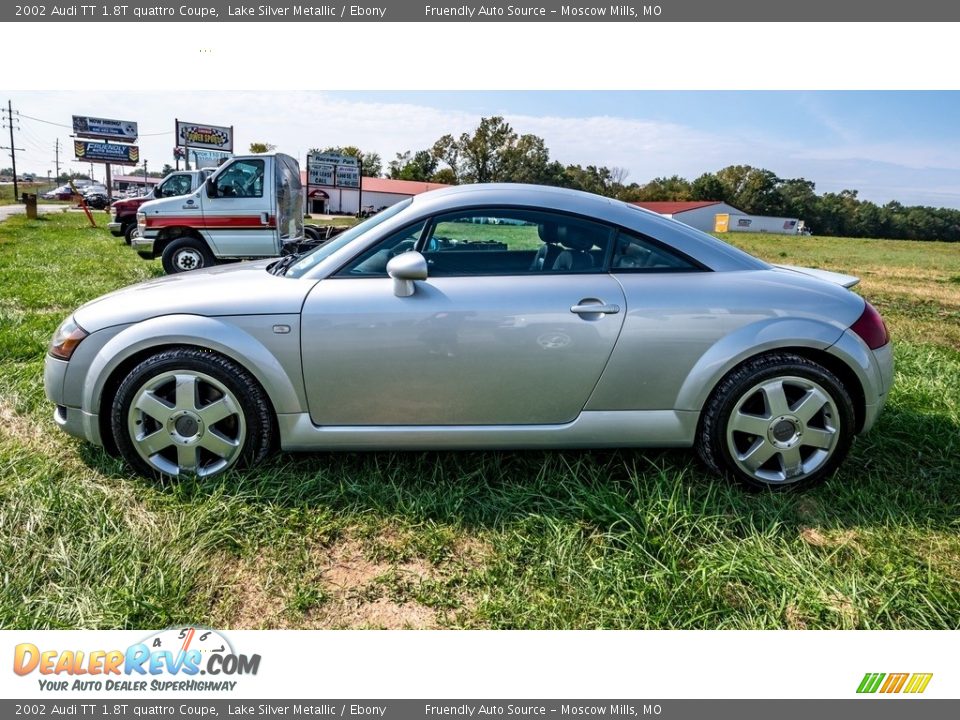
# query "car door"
(239, 214)
(498, 334)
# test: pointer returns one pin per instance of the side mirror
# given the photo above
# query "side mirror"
(211, 188)
(404, 269)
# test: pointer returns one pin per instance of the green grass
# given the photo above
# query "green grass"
(480, 540)
(7, 197)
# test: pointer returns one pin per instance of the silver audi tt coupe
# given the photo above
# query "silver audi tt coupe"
(482, 316)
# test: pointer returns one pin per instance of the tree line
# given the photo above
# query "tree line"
(495, 152)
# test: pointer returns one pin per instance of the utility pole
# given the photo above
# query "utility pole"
(144, 175)
(56, 149)
(8, 120)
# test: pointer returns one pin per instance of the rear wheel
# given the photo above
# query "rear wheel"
(186, 411)
(777, 421)
(186, 253)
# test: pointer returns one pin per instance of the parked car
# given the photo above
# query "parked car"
(579, 321)
(96, 199)
(64, 192)
(123, 213)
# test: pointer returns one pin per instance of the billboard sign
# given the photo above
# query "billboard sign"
(202, 158)
(320, 174)
(106, 153)
(333, 169)
(210, 137)
(348, 176)
(104, 129)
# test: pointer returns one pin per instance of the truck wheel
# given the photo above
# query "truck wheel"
(128, 231)
(186, 254)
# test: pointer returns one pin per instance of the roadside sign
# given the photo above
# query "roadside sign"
(104, 129)
(106, 153)
(202, 158)
(211, 137)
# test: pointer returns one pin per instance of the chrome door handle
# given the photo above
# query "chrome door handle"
(595, 309)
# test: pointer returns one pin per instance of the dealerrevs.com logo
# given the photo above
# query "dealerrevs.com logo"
(171, 660)
(909, 683)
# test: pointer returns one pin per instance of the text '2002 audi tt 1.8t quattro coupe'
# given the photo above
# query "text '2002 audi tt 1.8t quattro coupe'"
(484, 316)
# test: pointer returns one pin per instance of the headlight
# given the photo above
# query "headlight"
(66, 339)
(141, 222)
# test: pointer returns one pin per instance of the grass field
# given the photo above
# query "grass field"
(6, 191)
(481, 540)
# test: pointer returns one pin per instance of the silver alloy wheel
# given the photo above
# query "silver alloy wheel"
(187, 258)
(783, 429)
(186, 422)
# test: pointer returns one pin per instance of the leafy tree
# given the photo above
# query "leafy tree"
(262, 147)
(708, 187)
(666, 188)
(483, 151)
(420, 166)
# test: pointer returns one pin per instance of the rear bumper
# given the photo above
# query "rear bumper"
(874, 369)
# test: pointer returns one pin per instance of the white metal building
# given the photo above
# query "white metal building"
(702, 215)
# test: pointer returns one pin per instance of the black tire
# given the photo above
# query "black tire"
(311, 233)
(128, 231)
(186, 253)
(248, 428)
(719, 436)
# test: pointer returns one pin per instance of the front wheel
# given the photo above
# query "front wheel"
(777, 421)
(186, 411)
(129, 230)
(186, 254)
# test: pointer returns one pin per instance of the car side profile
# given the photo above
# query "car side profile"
(484, 316)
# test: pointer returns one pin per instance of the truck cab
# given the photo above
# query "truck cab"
(251, 207)
(123, 213)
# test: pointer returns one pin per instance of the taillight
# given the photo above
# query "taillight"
(871, 328)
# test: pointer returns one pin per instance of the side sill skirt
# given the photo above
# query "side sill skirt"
(591, 429)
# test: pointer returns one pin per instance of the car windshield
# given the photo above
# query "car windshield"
(314, 257)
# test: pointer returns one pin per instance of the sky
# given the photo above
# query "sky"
(889, 145)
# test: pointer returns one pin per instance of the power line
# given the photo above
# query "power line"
(70, 127)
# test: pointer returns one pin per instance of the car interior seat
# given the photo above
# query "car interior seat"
(548, 253)
(577, 244)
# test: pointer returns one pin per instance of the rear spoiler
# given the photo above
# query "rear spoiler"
(847, 281)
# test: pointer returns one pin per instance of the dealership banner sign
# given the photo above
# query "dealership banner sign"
(106, 153)
(104, 129)
(210, 137)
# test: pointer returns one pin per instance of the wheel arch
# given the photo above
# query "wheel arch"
(138, 342)
(168, 235)
(810, 339)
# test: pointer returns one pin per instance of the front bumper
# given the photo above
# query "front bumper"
(115, 228)
(143, 246)
(72, 420)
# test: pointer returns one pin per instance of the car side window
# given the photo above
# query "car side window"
(243, 179)
(507, 241)
(634, 252)
(373, 262)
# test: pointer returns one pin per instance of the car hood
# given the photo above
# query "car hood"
(236, 289)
